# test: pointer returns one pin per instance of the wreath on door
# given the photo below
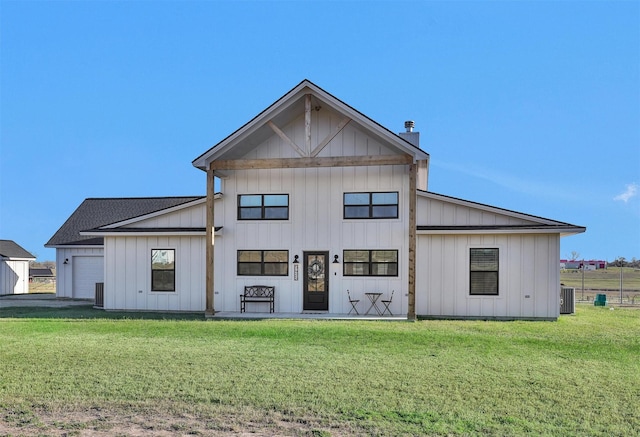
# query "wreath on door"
(315, 269)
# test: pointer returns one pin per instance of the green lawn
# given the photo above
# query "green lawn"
(577, 376)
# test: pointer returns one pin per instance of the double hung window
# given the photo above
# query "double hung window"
(163, 270)
(371, 205)
(370, 263)
(483, 267)
(263, 262)
(263, 207)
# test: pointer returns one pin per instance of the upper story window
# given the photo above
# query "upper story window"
(371, 205)
(263, 207)
(370, 262)
(483, 267)
(163, 270)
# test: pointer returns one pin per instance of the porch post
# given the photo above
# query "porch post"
(411, 311)
(209, 242)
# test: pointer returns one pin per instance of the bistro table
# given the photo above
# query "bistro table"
(373, 298)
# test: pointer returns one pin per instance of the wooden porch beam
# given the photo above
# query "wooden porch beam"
(411, 310)
(286, 139)
(331, 136)
(334, 161)
(209, 275)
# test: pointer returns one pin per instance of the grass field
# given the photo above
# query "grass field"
(80, 371)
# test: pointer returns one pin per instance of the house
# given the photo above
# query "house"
(14, 268)
(316, 199)
(41, 275)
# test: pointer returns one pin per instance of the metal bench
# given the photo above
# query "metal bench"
(257, 293)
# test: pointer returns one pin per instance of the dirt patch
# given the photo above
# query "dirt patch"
(98, 422)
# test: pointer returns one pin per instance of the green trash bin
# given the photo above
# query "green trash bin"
(600, 300)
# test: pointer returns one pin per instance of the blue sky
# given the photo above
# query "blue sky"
(529, 106)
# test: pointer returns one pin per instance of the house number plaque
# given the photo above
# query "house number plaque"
(295, 272)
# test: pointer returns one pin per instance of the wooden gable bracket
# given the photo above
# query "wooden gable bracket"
(307, 152)
(345, 121)
(286, 139)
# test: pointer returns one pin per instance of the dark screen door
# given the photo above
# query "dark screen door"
(316, 281)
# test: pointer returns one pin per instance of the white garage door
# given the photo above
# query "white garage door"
(87, 270)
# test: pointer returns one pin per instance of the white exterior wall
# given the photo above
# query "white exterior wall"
(128, 273)
(315, 221)
(191, 217)
(528, 283)
(315, 224)
(14, 276)
(64, 272)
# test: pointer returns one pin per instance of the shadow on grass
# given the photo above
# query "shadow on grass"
(88, 312)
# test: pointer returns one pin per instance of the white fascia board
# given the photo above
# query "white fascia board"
(562, 231)
(489, 208)
(156, 213)
(77, 246)
(137, 233)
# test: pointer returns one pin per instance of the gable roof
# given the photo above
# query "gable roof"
(531, 224)
(97, 212)
(43, 272)
(11, 249)
(287, 108)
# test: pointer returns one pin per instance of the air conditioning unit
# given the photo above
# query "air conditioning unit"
(567, 300)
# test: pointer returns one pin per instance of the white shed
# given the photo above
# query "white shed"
(14, 268)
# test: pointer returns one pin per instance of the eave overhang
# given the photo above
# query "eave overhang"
(147, 232)
(563, 230)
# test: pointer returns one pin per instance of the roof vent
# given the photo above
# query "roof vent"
(409, 125)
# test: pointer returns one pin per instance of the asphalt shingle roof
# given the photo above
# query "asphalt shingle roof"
(11, 249)
(96, 212)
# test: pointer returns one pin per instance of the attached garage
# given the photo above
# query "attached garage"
(87, 270)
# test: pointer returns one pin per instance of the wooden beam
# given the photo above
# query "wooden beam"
(411, 310)
(286, 139)
(331, 136)
(333, 161)
(209, 243)
(307, 123)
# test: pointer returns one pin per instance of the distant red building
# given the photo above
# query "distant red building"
(578, 264)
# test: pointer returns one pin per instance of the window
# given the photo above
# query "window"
(370, 205)
(370, 263)
(263, 262)
(263, 207)
(163, 270)
(483, 266)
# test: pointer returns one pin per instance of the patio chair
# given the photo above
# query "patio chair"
(387, 303)
(353, 303)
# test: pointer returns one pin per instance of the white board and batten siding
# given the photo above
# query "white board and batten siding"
(14, 276)
(315, 223)
(77, 277)
(190, 217)
(529, 279)
(128, 273)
